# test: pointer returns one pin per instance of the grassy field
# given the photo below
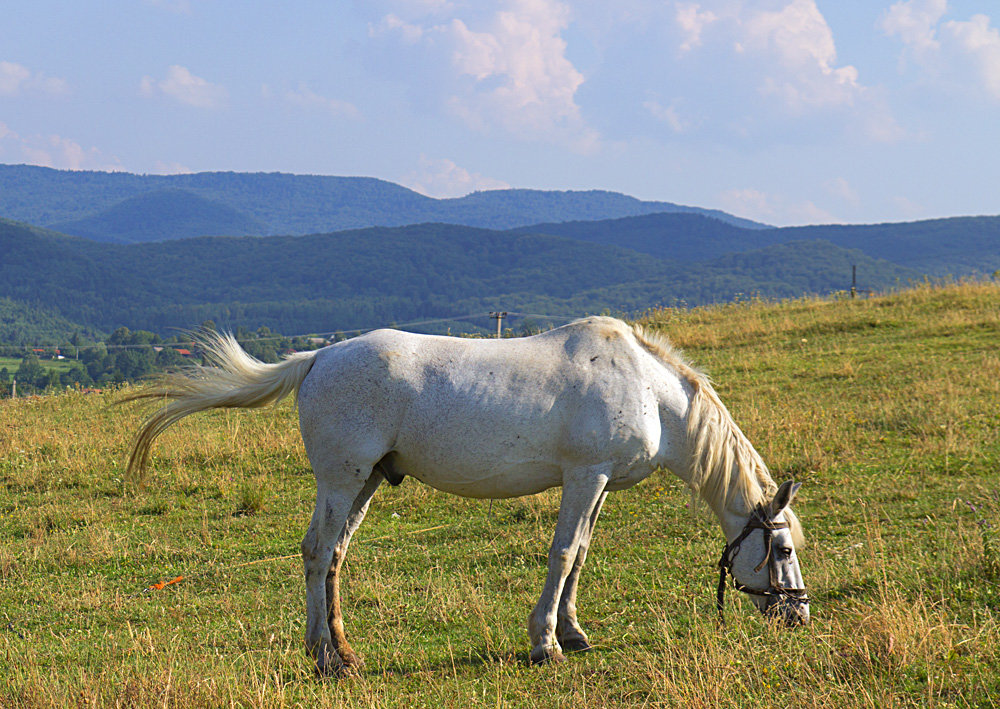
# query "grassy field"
(888, 409)
(12, 363)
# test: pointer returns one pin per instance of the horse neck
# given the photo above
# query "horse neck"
(726, 470)
(733, 514)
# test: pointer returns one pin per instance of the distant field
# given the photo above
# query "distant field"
(887, 409)
(12, 363)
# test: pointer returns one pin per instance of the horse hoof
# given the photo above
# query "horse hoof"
(546, 655)
(330, 665)
(578, 644)
(353, 662)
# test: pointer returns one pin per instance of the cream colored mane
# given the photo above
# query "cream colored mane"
(724, 462)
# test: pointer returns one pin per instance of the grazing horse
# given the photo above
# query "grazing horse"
(594, 406)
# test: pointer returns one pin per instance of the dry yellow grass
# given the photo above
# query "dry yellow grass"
(888, 408)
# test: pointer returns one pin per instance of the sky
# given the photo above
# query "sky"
(783, 111)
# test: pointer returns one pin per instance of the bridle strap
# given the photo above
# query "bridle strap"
(774, 589)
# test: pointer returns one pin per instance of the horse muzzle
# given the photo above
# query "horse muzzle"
(791, 612)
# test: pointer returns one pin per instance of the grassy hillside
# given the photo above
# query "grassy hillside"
(885, 408)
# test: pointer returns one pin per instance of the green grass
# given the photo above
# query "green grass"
(888, 409)
(12, 363)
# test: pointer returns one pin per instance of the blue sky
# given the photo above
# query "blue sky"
(784, 111)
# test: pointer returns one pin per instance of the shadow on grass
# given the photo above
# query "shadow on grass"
(479, 657)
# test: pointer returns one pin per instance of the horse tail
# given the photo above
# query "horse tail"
(234, 379)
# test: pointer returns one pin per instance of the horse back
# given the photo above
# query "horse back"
(485, 418)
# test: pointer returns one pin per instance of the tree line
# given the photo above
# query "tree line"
(126, 356)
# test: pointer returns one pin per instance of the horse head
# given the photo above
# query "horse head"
(762, 561)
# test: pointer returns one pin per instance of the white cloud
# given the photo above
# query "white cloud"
(531, 82)
(953, 53)
(183, 86)
(305, 98)
(52, 151)
(840, 188)
(410, 33)
(12, 77)
(171, 168)
(914, 21)
(15, 78)
(692, 20)
(783, 70)
(666, 114)
(773, 209)
(443, 178)
(981, 44)
(908, 208)
(879, 125)
(800, 43)
(507, 67)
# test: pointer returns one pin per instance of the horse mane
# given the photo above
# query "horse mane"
(724, 463)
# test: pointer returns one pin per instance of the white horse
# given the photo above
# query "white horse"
(595, 406)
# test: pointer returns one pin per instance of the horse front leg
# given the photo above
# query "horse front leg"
(568, 630)
(583, 489)
(335, 496)
(335, 618)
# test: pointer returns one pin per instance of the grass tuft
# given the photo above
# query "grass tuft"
(251, 497)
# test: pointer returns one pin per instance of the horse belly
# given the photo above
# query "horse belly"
(480, 479)
(483, 453)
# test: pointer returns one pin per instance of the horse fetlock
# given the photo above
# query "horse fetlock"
(343, 648)
(352, 660)
(328, 661)
(545, 654)
(541, 628)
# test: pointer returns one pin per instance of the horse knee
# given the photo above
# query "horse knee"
(562, 557)
(309, 547)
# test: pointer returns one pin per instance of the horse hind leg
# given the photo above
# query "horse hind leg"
(335, 618)
(336, 496)
(568, 630)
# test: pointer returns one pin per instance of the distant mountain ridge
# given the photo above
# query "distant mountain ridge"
(128, 268)
(99, 205)
(957, 246)
(376, 276)
(160, 216)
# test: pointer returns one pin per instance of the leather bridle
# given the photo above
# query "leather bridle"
(758, 520)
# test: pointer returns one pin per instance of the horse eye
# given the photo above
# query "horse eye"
(786, 551)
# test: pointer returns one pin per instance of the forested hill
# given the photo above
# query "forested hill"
(377, 276)
(103, 206)
(940, 247)
(161, 215)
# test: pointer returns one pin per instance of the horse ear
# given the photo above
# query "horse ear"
(784, 496)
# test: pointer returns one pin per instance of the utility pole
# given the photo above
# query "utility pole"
(854, 281)
(499, 316)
